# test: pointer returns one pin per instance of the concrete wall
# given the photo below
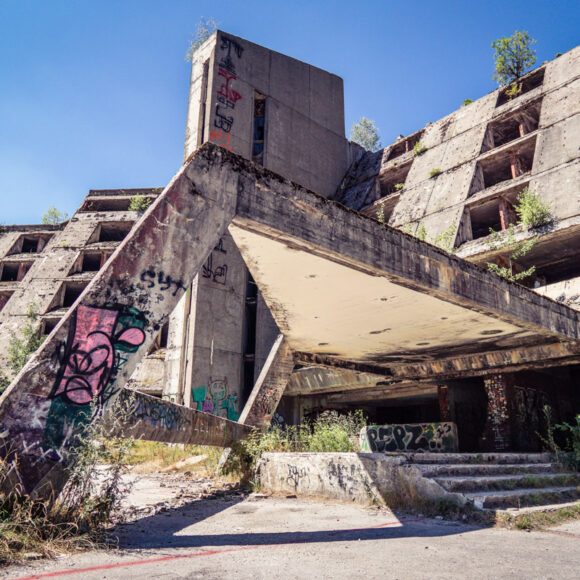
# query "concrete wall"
(364, 478)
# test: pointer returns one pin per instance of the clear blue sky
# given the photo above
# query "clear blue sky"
(93, 93)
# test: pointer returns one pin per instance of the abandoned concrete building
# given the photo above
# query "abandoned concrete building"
(453, 180)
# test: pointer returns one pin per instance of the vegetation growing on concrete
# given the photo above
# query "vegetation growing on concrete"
(365, 133)
(531, 210)
(330, 432)
(76, 519)
(22, 346)
(139, 203)
(513, 56)
(434, 172)
(506, 240)
(419, 148)
(204, 28)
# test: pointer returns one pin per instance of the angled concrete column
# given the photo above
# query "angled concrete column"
(87, 359)
(269, 387)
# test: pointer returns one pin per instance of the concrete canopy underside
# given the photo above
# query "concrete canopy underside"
(346, 292)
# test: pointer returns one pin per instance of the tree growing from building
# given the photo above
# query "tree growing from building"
(514, 55)
(366, 134)
(53, 217)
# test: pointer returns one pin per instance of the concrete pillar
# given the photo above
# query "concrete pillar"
(516, 165)
(497, 433)
(444, 405)
(507, 213)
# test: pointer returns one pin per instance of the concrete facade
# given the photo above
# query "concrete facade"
(287, 117)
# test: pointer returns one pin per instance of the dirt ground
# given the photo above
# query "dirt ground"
(183, 527)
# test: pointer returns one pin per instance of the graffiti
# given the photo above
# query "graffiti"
(296, 475)
(221, 138)
(227, 96)
(217, 274)
(266, 402)
(161, 414)
(497, 433)
(410, 437)
(228, 44)
(163, 281)
(222, 121)
(97, 348)
(216, 400)
(346, 477)
(220, 247)
(278, 421)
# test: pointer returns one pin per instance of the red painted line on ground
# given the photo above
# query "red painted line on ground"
(199, 554)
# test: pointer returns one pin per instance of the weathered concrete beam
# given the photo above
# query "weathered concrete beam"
(268, 389)
(153, 419)
(319, 380)
(87, 359)
(509, 360)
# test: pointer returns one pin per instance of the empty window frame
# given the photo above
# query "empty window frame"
(30, 244)
(93, 262)
(393, 179)
(512, 127)
(386, 207)
(524, 85)
(404, 146)
(161, 339)
(48, 325)
(14, 271)
(67, 294)
(259, 128)
(106, 204)
(4, 297)
(496, 214)
(111, 232)
(504, 165)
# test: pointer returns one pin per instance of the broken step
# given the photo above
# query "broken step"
(480, 458)
(474, 483)
(523, 497)
(442, 469)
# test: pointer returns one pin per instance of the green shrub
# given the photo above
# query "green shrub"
(21, 347)
(399, 186)
(434, 172)
(139, 203)
(572, 432)
(532, 211)
(466, 102)
(419, 148)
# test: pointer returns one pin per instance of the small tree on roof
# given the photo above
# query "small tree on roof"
(366, 134)
(513, 56)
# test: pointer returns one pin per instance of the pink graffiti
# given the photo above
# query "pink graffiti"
(91, 354)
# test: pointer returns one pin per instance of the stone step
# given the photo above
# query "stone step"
(443, 469)
(523, 497)
(475, 483)
(480, 458)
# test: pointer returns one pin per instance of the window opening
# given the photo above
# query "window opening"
(393, 179)
(203, 103)
(114, 232)
(526, 84)
(92, 262)
(513, 127)
(259, 128)
(4, 297)
(71, 293)
(15, 272)
(401, 147)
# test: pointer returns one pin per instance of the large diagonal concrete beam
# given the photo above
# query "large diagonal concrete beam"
(89, 356)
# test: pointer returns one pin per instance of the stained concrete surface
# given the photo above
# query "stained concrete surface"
(229, 535)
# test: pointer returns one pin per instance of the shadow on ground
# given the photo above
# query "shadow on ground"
(168, 529)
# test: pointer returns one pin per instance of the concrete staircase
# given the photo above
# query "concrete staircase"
(501, 480)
